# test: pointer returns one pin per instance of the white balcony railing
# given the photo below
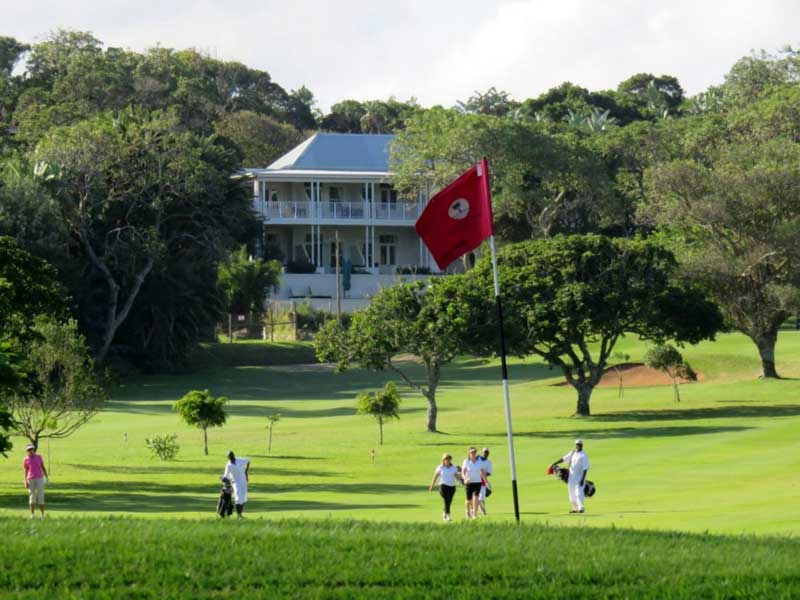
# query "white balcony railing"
(342, 210)
(397, 211)
(282, 209)
(303, 209)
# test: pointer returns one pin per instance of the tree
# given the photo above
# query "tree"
(657, 93)
(429, 322)
(246, 281)
(28, 287)
(570, 299)
(492, 102)
(133, 190)
(62, 390)
(261, 139)
(272, 419)
(201, 409)
(731, 208)
(666, 358)
(9, 379)
(383, 405)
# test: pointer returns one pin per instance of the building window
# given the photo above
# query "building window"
(387, 246)
(273, 195)
(335, 194)
(388, 194)
(307, 187)
(366, 254)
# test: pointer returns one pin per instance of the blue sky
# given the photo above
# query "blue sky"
(438, 51)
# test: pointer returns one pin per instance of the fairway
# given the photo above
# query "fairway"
(720, 461)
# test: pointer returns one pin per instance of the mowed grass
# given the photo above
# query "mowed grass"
(133, 558)
(724, 460)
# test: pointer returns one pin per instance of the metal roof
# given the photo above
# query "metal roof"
(340, 152)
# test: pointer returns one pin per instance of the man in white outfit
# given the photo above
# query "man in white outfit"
(237, 471)
(578, 467)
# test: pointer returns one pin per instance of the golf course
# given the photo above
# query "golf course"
(690, 493)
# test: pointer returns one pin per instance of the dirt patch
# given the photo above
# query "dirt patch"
(637, 375)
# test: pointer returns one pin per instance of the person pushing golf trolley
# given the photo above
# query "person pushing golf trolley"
(576, 479)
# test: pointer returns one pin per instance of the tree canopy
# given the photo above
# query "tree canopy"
(571, 298)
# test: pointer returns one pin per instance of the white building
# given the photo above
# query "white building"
(338, 184)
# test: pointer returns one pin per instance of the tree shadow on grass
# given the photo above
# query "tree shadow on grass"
(243, 409)
(721, 412)
(212, 473)
(626, 432)
(151, 497)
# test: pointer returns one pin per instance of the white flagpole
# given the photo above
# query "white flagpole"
(510, 434)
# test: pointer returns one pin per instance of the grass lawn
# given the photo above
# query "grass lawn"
(723, 460)
(268, 558)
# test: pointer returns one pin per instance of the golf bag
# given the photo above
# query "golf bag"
(225, 502)
(562, 473)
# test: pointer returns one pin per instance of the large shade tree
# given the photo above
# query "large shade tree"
(571, 298)
(732, 205)
(135, 191)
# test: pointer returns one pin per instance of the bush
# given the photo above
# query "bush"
(310, 319)
(300, 266)
(164, 446)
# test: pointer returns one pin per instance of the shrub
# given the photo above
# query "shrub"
(164, 446)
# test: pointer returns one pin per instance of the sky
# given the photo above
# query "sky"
(437, 51)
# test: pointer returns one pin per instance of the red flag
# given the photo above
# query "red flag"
(459, 218)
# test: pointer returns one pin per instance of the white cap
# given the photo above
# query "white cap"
(579, 441)
(30, 447)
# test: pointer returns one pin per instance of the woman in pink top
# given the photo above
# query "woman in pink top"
(33, 465)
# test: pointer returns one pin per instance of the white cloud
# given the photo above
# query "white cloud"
(439, 51)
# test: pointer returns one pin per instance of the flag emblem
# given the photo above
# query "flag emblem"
(459, 209)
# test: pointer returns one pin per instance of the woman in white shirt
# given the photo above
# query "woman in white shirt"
(474, 474)
(447, 473)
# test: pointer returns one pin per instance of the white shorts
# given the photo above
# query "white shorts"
(482, 495)
(36, 491)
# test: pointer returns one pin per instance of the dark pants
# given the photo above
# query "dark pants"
(447, 492)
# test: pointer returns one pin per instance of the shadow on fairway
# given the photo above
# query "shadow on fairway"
(211, 473)
(626, 432)
(248, 410)
(152, 497)
(721, 412)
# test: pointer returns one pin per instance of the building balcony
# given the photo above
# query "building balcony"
(289, 211)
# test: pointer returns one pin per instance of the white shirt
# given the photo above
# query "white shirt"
(471, 471)
(486, 464)
(236, 474)
(578, 463)
(447, 475)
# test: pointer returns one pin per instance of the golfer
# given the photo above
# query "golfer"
(485, 489)
(35, 475)
(473, 472)
(447, 473)
(578, 467)
(237, 471)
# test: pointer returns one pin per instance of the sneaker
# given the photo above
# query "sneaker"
(32, 516)
(580, 511)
